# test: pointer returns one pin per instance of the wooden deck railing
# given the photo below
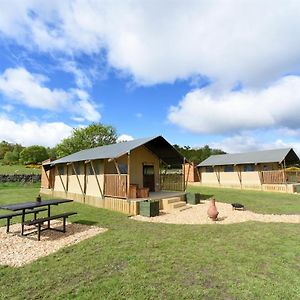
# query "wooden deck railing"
(115, 185)
(172, 182)
(270, 177)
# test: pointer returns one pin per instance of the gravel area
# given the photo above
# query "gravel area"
(197, 214)
(19, 250)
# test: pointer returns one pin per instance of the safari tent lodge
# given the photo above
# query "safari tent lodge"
(118, 176)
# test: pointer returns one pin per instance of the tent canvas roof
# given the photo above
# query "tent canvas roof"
(158, 145)
(267, 156)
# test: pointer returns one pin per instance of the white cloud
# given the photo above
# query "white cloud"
(247, 143)
(124, 138)
(29, 89)
(81, 78)
(252, 42)
(208, 111)
(33, 133)
(7, 108)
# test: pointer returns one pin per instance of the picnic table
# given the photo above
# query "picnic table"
(35, 207)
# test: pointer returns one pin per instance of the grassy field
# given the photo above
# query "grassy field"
(18, 169)
(257, 201)
(135, 260)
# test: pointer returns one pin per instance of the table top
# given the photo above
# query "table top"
(34, 204)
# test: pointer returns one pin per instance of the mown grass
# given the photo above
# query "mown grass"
(136, 260)
(18, 169)
(257, 201)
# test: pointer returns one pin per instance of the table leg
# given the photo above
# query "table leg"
(49, 215)
(23, 220)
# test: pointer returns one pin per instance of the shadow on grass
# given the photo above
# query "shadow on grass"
(204, 197)
(86, 222)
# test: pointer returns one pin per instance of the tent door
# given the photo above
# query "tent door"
(148, 177)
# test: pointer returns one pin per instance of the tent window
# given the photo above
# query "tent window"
(249, 168)
(209, 169)
(90, 170)
(77, 169)
(123, 168)
(228, 168)
(61, 169)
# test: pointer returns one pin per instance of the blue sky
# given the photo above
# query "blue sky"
(197, 72)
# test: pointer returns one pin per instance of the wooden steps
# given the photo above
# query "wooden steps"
(173, 203)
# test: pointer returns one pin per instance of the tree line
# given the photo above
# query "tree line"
(94, 135)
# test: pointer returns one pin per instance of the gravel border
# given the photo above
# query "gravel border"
(197, 214)
(17, 250)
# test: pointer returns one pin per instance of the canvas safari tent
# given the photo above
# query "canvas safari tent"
(116, 176)
(264, 170)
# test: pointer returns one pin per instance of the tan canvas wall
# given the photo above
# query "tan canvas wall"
(251, 178)
(60, 181)
(73, 184)
(229, 178)
(209, 178)
(92, 188)
(138, 158)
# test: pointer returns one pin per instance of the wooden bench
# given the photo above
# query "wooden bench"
(20, 213)
(40, 221)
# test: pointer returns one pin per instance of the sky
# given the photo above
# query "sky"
(222, 73)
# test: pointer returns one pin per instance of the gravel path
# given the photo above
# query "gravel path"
(19, 250)
(197, 214)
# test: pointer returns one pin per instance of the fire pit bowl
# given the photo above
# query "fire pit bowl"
(238, 206)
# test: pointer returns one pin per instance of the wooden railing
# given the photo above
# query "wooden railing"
(172, 182)
(270, 177)
(292, 176)
(115, 185)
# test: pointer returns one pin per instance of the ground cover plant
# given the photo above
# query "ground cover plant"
(136, 260)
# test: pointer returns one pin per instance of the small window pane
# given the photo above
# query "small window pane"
(228, 168)
(249, 168)
(123, 168)
(209, 169)
(90, 170)
(61, 169)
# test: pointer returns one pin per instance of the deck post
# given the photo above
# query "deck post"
(183, 177)
(128, 174)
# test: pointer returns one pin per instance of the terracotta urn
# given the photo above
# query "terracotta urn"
(212, 210)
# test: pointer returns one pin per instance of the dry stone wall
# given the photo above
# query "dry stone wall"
(23, 178)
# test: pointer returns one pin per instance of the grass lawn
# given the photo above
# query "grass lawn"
(257, 201)
(136, 260)
(18, 169)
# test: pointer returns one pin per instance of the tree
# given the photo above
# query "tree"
(10, 158)
(197, 155)
(94, 135)
(33, 155)
(5, 147)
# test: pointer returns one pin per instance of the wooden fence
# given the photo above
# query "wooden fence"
(172, 182)
(115, 185)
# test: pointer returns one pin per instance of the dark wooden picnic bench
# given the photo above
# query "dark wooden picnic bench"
(20, 213)
(39, 222)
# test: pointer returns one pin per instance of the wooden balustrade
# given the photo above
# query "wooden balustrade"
(270, 177)
(115, 185)
(172, 182)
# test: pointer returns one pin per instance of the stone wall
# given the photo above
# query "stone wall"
(23, 178)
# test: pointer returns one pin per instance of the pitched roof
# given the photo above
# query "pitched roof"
(158, 145)
(267, 156)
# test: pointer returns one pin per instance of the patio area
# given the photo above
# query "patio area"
(17, 250)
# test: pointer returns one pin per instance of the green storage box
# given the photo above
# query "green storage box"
(149, 208)
(192, 198)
